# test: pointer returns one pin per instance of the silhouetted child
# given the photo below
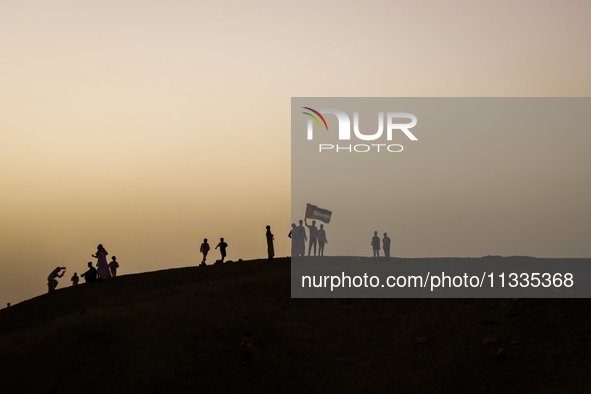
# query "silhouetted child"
(51, 281)
(75, 279)
(222, 245)
(113, 265)
(90, 275)
(247, 349)
(204, 249)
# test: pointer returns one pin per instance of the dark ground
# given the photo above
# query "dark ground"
(179, 331)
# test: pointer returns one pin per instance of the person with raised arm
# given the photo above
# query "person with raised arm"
(90, 275)
(222, 245)
(102, 267)
(313, 235)
(51, 281)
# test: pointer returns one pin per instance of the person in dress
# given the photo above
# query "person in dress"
(75, 279)
(51, 281)
(204, 249)
(270, 248)
(301, 239)
(113, 265)
(321, 240)
(222, 245)
(102, 267)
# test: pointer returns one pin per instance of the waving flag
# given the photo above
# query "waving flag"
(313, 212)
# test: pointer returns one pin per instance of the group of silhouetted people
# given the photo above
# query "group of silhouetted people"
(375, 243)
(204, 249)
(103, 270)
(106, 271)
(318, 237)
(298, 239)
(222, 245)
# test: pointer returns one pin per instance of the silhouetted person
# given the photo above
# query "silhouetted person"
(102, 267)
(321, 240)
(8, 305)
(270, 248)
(113, 265)
(51, 281)
(75, 279)
(292, 234)
(204, 249)
(222, 245)
(301, 239)
(313, 235)
(90, 275)
(386, 242)
(375, 242)
(247, 349)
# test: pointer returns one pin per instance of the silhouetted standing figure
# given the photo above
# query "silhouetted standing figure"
(102, 267)
(204, 249)
(321, 240)
(51, 281)
(375, 242)
(75, 279)
(113, 265)
(222, 245)
(270, 248)
(386, 242)
(301, 239)
(292, 234)
(313, 236)
(90, 275)
(247, 349)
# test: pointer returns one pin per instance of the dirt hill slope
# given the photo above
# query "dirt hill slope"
(179, 331)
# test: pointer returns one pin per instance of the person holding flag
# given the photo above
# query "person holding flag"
(324, 215)
(313, 235)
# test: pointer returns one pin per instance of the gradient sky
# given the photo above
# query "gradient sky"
(149, 125)
(487, 176)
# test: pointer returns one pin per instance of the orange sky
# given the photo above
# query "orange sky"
(149, 125)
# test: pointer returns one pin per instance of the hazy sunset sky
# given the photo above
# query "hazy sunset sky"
(149, 125)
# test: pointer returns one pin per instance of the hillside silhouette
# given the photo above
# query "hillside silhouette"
(179, 331)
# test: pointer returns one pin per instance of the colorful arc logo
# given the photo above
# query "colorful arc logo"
(315, 118)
